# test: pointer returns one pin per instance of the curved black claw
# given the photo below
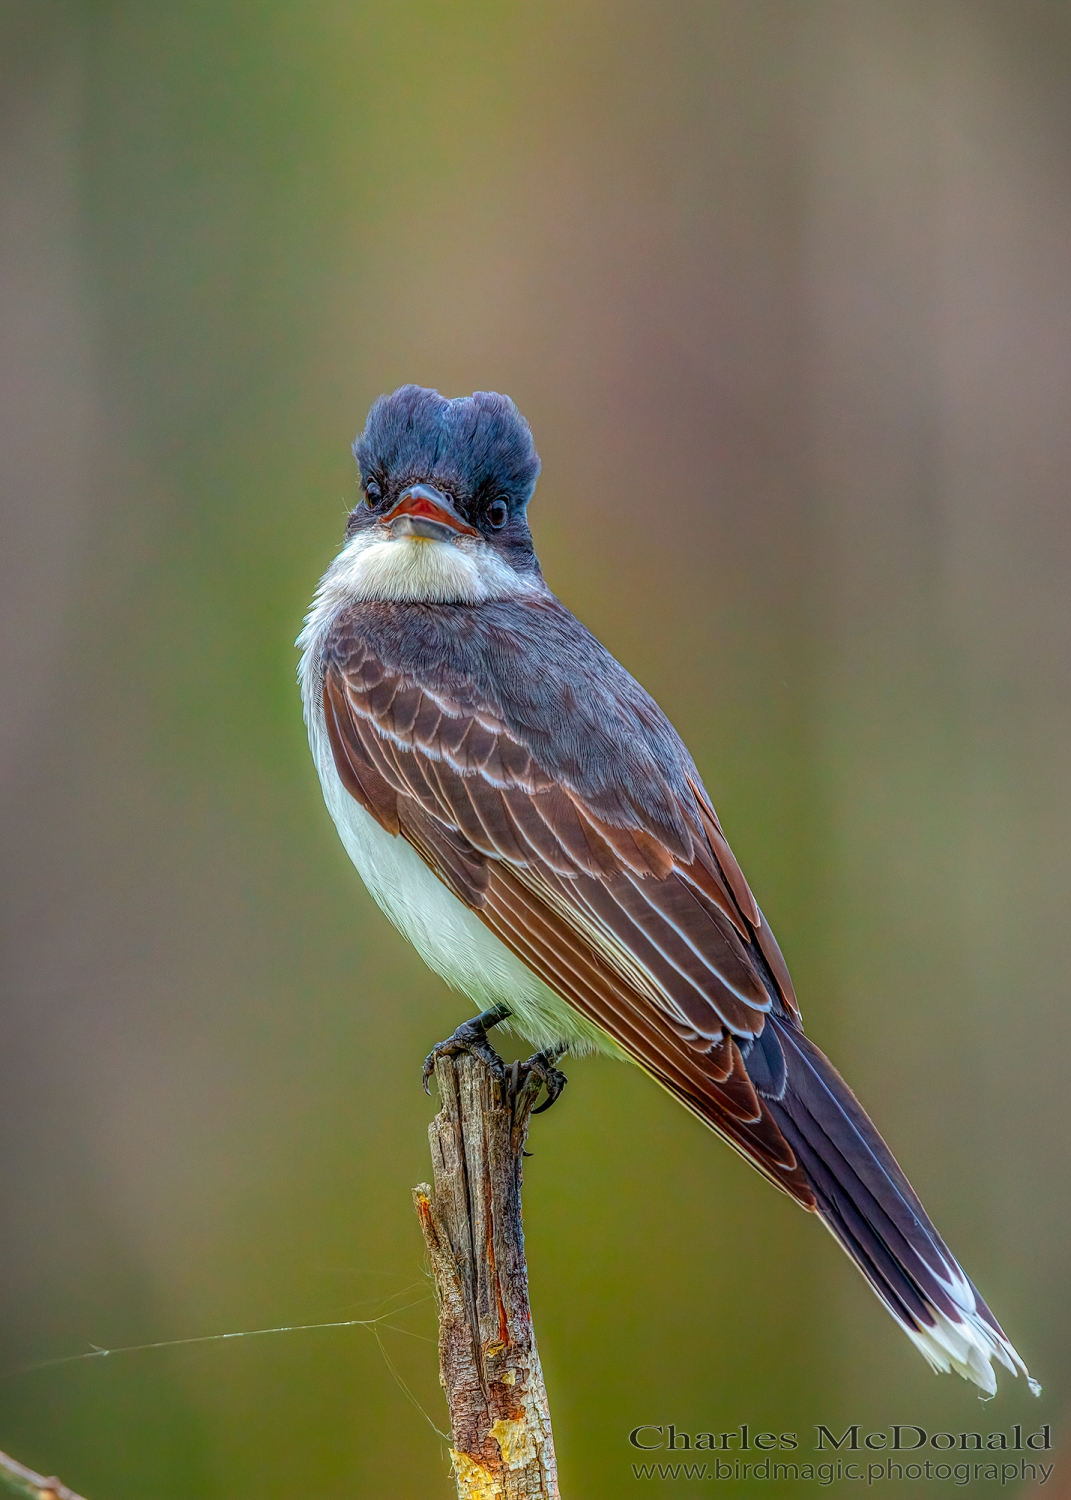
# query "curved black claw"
(471, 1036)
(542, 1065)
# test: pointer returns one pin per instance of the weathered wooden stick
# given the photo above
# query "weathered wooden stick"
(488, 1365)
(18, 1479)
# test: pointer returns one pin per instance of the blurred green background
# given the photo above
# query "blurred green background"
(785, 292)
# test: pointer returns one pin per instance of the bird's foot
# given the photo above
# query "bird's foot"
(540, 1065)
(471, 1037)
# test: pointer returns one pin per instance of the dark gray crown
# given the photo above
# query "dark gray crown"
(465, 446)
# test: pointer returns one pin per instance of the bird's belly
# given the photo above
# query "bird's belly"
(449, 937)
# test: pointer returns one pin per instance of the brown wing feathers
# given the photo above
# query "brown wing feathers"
(710, 1078)
(652, 943)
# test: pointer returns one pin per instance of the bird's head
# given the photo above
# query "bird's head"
(445, 486)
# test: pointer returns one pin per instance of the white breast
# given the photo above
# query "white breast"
(449, 937)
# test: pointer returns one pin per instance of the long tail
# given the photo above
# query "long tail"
(870, 1208)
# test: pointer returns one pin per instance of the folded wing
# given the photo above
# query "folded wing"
(650, 933)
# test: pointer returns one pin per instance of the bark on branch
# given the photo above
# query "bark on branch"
(17, 1479)
(488, 1364)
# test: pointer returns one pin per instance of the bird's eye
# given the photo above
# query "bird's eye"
(497, 513)
(373, 493)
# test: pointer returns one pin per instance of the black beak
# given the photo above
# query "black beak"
(429, 513)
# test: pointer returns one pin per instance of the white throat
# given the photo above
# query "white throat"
(412, 570)
(419, 570)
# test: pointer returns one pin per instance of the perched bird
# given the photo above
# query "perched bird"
(527, 816)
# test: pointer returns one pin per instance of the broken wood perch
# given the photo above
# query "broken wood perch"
(502, 1447)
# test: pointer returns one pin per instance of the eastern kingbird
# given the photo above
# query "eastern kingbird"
(527, 816)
